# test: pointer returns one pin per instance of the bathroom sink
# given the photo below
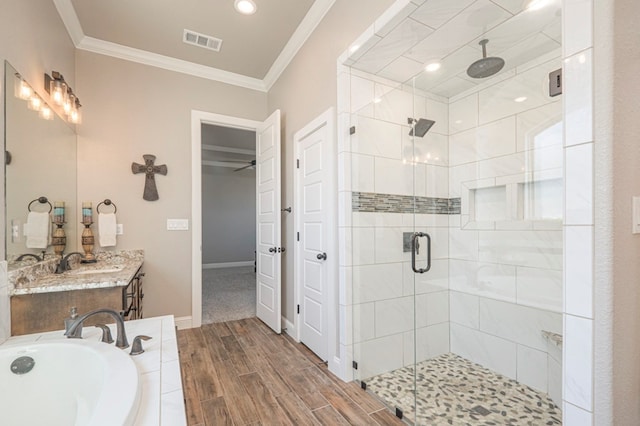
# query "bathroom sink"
(103, 270)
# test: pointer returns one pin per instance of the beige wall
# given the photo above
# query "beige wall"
(626, 183)
(306, 89)
(130, 110)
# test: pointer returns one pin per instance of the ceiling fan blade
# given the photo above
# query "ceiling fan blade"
(252, 163)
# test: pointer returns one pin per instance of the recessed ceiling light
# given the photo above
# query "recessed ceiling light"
(520, 99)
(354, 48)
(246, 7)
(536, 4)
(433, 67)
(377, 100)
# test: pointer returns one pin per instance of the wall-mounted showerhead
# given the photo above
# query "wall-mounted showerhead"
(421, 126)
(485, 67)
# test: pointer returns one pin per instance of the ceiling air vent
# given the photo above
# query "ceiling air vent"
(201, 40)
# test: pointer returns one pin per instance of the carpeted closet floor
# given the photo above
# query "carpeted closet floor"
(228, 294)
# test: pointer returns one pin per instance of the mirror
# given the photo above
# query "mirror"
(43, 164)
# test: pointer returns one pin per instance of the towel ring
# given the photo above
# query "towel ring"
(107, 202)
(41, 200)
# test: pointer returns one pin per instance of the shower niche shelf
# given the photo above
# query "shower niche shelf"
(527, 201)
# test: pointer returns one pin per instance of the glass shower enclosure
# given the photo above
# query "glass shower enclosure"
(456, 215)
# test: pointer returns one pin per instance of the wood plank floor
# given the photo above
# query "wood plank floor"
(242, 373)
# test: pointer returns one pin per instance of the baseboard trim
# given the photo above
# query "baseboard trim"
(289, 328)
(227, 264)
(183, 322)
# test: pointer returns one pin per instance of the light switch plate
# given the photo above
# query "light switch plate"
(119, 229)
(177, 224)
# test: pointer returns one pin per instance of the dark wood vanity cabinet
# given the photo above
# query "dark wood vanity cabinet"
(132, 296)
(40, 312)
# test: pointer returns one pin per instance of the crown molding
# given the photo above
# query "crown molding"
(318, 10)
(70, 19)
(115, 50)
(81, 41)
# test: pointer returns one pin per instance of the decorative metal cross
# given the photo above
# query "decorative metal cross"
(149, 169)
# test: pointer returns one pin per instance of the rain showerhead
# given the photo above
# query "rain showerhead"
(421, 126)
(485, 67)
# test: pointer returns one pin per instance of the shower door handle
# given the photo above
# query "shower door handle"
(414, 245)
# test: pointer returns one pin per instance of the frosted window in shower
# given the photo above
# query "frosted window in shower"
(541, 200)
(489, 204)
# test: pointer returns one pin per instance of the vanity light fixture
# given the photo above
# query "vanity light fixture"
(62, 95)
(246, 7)
(24, 91)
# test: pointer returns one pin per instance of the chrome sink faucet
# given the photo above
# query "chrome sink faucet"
(63, 266)
(121, 338)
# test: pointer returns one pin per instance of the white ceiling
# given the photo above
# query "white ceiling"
(255, 48)
(448, 31)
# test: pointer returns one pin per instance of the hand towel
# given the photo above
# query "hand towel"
(107, 229)
(38, 228)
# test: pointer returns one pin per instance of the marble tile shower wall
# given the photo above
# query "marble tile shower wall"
(494, 284)
(505, 249)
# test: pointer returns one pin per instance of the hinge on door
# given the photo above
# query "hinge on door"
(298, 236)
(298, 164)
(298, 308)
(354, 365)
(352, 130)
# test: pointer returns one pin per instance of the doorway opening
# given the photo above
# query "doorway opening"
(228, 223)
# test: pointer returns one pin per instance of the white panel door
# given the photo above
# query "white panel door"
(268, 247)
(313, 274)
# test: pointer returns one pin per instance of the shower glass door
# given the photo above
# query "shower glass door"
(391, 192)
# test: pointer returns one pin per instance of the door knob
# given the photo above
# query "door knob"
(322, 256)
(272, 249)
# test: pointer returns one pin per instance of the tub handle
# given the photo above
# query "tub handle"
(106, 333)
(136, 347)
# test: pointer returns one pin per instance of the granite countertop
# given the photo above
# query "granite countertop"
(113, 269)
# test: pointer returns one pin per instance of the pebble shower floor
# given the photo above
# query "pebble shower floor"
(455, 391)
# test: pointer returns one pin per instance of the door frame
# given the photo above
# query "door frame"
(328, 119)
(197, 119)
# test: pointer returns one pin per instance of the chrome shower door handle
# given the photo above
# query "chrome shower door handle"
(414, 245)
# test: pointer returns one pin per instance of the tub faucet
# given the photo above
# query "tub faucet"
(63, 266)
(121, 338)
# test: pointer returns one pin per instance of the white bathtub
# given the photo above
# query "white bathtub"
(73, 382)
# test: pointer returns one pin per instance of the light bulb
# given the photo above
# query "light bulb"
(58, 92)
(24, 90)
(35, 103)
(46, 112)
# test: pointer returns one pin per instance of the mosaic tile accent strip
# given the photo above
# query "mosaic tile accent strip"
(454, 391)
(389, 203)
